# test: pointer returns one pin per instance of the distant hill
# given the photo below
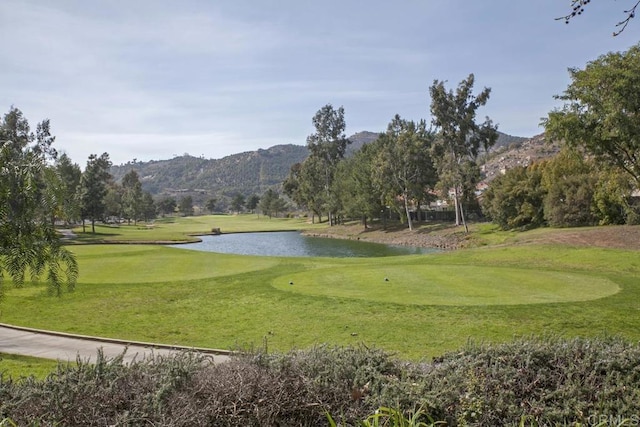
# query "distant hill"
(246, 173)
(359, 139)
(505, 141)
(251, 172)
(517, 153)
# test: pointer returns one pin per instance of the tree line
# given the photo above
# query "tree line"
(594, 180)
(406, 167)
(93, 195)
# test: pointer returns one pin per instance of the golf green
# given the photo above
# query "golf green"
(458, 285)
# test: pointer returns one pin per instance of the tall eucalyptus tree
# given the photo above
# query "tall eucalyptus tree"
(327, 146)
(459, 138)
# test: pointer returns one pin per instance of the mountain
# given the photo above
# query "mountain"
(246, 173)
(251, 172)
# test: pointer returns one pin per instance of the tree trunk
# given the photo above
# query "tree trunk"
(406, 209)
(93, 226)
(460, 213)
(456, 204)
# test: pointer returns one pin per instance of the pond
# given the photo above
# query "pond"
(294, 244)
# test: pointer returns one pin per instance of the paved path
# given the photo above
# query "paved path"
(67, 347)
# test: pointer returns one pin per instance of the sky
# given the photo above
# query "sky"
(154, 79)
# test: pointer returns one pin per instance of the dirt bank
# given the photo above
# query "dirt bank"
(441, 236)
(450, 237)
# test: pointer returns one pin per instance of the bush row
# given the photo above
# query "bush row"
(548, 381)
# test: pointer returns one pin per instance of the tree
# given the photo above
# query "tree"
(403, 166)
(167, 206)
(29, 242)
(515, 200)
(328, 145)
(95, 180)
(210, 205)
(69, 189)
(266, 202)
(149, 209)
(304, 186)
(271, 204)
(360, 196)
(186, 206)
(252, 202)
(569, 182)
(612, 196)
(113, 201)
(132, 196)
(602, 111)
(237, 203)
(578, 8)
(460, 137)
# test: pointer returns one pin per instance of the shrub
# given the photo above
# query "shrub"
(531, 382)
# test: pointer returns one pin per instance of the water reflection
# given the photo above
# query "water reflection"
(294, 244)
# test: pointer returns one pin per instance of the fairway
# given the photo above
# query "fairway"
(448, 285)
(155, 263)
(427, 305)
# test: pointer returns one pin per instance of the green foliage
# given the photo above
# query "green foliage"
(271, 204)
(459, 136)
(569, 183)
(132, 197)
(210, 205)
(186, 206)
(306, 187)
(601, 110)
(611, 201)
(252, 202)
(69, 189)
(327, 146)
(392, 417)
(167, 205)
(113, 202)
(29, 202)
(402, 167)
(354, 186)
(568, 190)
(237, 204)
(95, 185)
(328, 142)
(515, 199)
(148, 208)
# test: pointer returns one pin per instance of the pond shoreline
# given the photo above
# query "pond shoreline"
(441, 236)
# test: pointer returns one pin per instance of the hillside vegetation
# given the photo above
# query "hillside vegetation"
(251, 172)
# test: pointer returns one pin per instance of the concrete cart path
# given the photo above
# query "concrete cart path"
(67, 347)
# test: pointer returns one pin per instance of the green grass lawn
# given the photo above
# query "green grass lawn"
(429, 304)
(178, 229)
(19, 367)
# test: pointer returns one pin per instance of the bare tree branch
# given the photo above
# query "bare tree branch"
(578, 7)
